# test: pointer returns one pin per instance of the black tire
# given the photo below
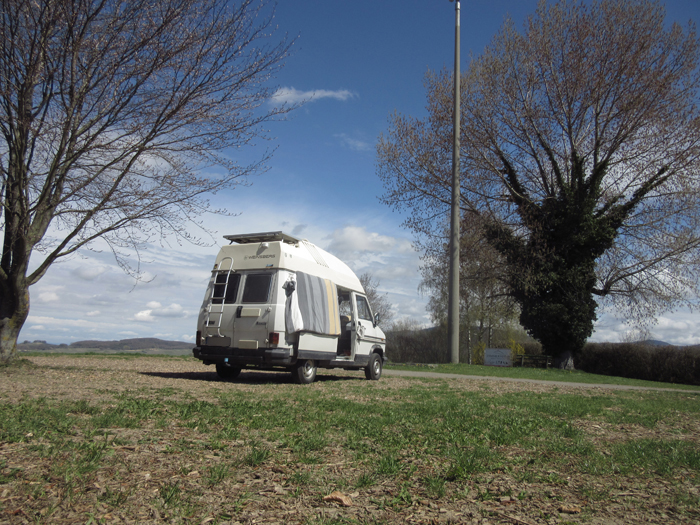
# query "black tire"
(227, 372)
(374, 368)
(304, 372)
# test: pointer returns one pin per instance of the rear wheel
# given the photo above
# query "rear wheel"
(225, 371)
(374, 368)
(304, 372)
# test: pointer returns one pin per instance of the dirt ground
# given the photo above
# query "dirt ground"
(134, 487)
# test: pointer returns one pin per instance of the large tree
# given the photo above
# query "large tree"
(117, 118)
(580, 142)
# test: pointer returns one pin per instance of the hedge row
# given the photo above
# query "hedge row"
(669, 364)
(431, 346)
(418, 346)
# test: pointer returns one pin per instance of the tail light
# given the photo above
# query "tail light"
(274, 338)
(199, 338)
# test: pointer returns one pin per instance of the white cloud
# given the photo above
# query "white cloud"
(664, 323)
(156, 309)
(100, 299)
(174, 310)
(47, 297)
(144, 316)
(354, 144)
(58, 322)
(93, 313)
(290, 95)
(89, 272)
(354, 239)
(681, 329)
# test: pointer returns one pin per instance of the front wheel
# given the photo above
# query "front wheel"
(225, 371)
(374, 368)
(304, 372)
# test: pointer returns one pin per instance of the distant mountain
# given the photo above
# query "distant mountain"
(124, 345)
(654, 342)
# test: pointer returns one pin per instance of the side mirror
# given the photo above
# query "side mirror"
(376, 319)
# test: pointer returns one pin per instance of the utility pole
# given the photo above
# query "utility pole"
(453, 306)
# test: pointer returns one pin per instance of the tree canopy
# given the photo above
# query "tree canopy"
(117, 119)
(580, 146)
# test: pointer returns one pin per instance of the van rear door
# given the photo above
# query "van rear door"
(252, 309)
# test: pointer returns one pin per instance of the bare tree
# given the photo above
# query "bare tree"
(117, 119)
(379, 302)
(581, 152)
(485, 302)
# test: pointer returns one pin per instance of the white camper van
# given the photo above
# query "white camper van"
(278, 302)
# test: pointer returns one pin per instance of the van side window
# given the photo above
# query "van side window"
(363, 311)
(223, 292)
(257, 288)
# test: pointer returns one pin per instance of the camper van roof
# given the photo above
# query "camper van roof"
(294, 254)
(248, 238)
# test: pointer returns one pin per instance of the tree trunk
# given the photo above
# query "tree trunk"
(565, 361)
(469, 345)
(14, 309)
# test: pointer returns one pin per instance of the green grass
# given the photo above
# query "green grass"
(537, 374)
(429, 439)
(461, 428)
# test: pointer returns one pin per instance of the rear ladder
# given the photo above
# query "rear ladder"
(217, 310)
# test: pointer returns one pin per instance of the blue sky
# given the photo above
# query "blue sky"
(355, 63)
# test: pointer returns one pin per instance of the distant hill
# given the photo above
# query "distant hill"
(133, 344)
(124, 345)
(654, 342)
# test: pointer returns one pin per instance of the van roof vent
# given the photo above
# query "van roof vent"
(252, 238)
(315, 253)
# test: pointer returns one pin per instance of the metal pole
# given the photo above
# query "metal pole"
(453, 306)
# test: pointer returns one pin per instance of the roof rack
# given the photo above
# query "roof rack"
(252, 238)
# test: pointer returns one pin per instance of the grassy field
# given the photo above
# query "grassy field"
(161, 440)
(539, 374)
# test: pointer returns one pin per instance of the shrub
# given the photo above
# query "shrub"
(516, 349)
(478, 357)
(669, 364)
(532, 348)
(416, 345)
